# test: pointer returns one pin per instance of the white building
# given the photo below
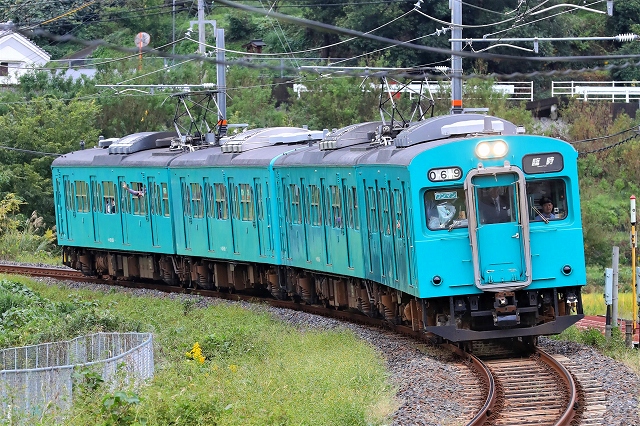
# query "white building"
(18, 55)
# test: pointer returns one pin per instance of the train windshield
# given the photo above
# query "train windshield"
(446, 208)
(547, 199)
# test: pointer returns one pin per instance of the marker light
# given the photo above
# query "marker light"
(492, 149)
(566, 269)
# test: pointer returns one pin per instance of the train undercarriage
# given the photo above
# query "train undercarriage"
(524, 313)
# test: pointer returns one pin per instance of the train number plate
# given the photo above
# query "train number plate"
(440, 175)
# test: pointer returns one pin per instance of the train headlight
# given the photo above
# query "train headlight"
(499, 148)
(483, 150)
(491, 149)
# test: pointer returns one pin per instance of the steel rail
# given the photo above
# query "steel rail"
(487, 408)
(565, 375)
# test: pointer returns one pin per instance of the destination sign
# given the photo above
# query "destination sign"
(542, 163)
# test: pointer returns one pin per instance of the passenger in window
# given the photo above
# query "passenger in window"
(133, 191)
(494, 207)
(546, 209)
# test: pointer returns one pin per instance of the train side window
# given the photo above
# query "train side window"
(349, 196)
(110, 206)
(139, 203)
(246, 201)
(82, 201)
(221, 201)
(445, 208)
(336, 206)
(209, 200)
(296, 211)
(196, 199)
(316, 216)
(554, 190)
(154, 199)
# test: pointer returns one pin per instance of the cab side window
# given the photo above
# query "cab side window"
(547, 199)
(445, 208)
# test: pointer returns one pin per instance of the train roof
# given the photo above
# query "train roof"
(358, 144)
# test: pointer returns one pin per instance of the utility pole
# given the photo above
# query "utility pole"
(456, 61)
(201, 29)
(221, 76)
(173, 46)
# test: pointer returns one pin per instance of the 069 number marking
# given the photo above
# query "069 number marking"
(440, 175)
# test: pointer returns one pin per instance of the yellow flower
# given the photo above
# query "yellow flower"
(233, 368)
(196, 353)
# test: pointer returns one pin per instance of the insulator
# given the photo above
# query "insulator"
(626, 37)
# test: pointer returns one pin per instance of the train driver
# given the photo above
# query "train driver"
(546, 209)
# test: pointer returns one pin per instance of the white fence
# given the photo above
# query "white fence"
(614, 91)
(513, 90)
(33, 378)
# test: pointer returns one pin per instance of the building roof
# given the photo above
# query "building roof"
(38, 53)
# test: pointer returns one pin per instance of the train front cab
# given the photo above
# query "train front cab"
(527, 272)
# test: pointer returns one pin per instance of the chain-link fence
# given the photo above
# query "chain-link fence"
(35, 378)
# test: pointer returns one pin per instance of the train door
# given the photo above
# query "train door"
(96, 207)
(259, 216)
(304, 220)
(154, 211)
(387, 231)
(373, 239)
(268, 227)
(125, 210)
(186, 210)
(400, 236)
(499, 228)
(234, 206)
(347, 223)
(65, 208)
(326, 199)
(209, 213)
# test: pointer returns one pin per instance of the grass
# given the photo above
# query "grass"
(256, 370)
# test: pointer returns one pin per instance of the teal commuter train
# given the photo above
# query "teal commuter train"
(439, 224)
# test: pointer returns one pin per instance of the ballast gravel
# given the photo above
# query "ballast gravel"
(433, 388)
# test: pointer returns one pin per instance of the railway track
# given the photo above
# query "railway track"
(513, 389)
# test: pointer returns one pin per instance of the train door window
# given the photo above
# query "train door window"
(259, 206)
(356, 210)
(445, 208)
(547, 198)
(496, 204)
(296, 210)
(307, 207)
(186, 199)
(246, 201)
(109, 197)
(165, 200)
(349, 192)
(336, 206)
(372, 209)
(68, 196)
(384, 211)
(82, 201)
(316, 215)
(221, 201)
(398, 208)
(196, 200)
(327, 206)
(139, 203)
(154, 200)
(209, 203)
(96, 196)
(235, 203)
